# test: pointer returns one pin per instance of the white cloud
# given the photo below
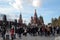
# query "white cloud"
(17, 4)
(3, 11)
(9, 12)
(6, 0)
(28, 2)
(36, 3)
(6, 10)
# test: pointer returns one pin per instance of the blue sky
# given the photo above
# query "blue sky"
(46, 8)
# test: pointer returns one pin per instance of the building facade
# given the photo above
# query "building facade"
(20, 21)
(35, 20)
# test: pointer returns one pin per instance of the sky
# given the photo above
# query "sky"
(46, 8)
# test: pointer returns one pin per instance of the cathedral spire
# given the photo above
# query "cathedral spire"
(35, 10)
(35, 17)
(35, 14)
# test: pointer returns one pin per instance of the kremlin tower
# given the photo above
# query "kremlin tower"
(20, 20)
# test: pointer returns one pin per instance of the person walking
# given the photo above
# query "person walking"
(3, 33)
(12, 32)
(7, 36)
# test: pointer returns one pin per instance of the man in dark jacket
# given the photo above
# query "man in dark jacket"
(3, 33)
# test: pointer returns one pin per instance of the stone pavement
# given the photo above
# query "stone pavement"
(33, 38)
(36, 38)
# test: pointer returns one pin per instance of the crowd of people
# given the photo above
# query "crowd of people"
(33, 31)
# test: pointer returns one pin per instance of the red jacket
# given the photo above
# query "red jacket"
(12, 31)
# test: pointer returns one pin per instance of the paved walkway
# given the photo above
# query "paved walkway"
(36, 38)
(28, 37)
